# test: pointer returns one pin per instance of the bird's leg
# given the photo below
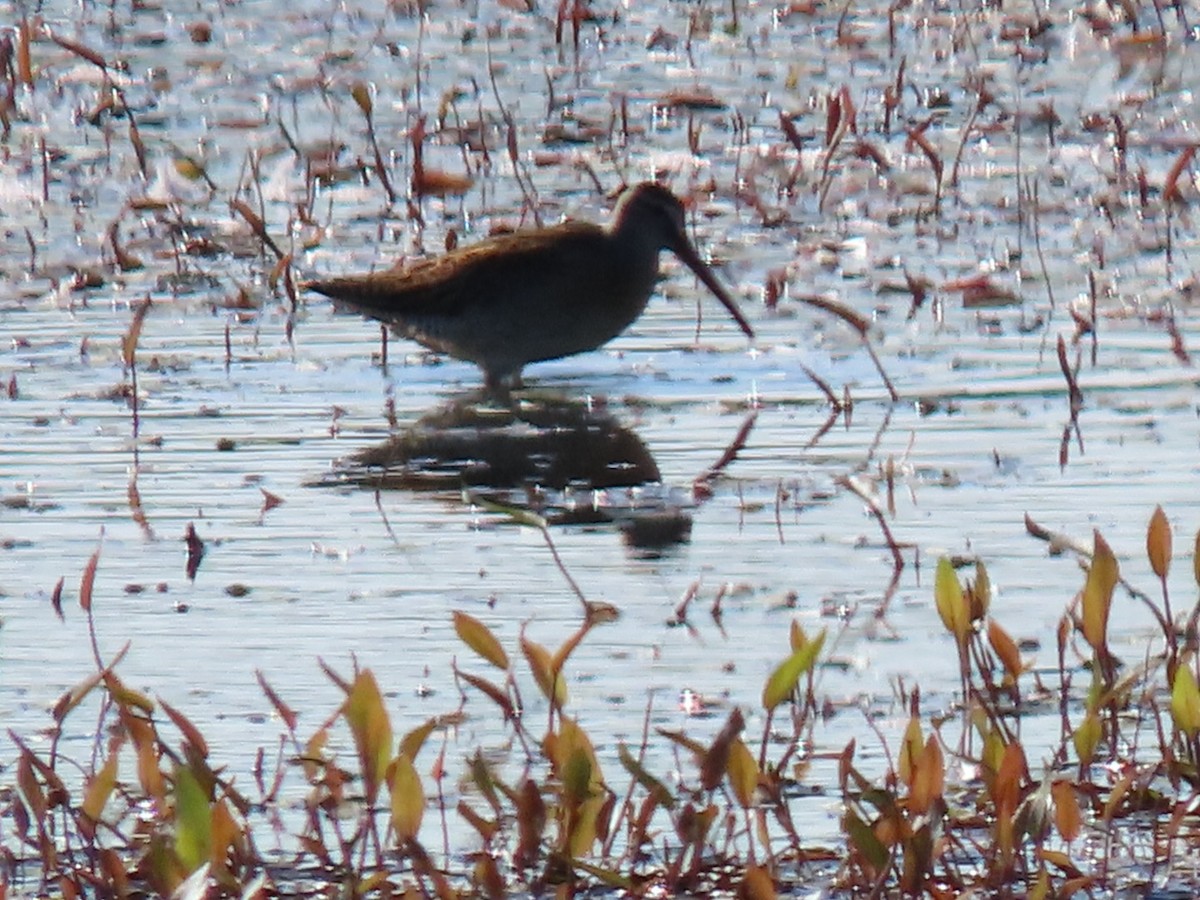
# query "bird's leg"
(499, 386)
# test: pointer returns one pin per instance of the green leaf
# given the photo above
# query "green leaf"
(951, 604)
(1087, 737)
(515, 513)
(1185, 702)
(864, 840)
(660, 792)
(193, 821)
(577, 775)
(784, 679)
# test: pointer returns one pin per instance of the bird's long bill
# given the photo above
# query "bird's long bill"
(705, 274)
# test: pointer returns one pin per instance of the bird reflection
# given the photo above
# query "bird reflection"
(570, 461)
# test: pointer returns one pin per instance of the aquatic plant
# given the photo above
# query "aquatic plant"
(959, 807)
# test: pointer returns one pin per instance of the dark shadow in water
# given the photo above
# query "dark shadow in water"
(570, 461)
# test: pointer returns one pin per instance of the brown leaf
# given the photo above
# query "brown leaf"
(24, 63)
(438, 183)
(696, 99)
(88, 581)
(788, 125)
(531, 822)
(80, 50)
(491, 690)
(1067, 817)
(757, 884)
(716, 758)
(257, 226)
(1171, 192)
(1005, 648)
(846, 314)
(190, 733)
(1158, 543)
(195, 551)
(285, 712)
(56, 600)
(130, 341)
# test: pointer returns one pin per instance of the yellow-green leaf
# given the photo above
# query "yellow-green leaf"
(982, 590)
(1087, 737)
(193, 821)
(660, 792)
(797, 636)
(910, 751)
(1102, 578)
(126, 697)
(570, 741)
(951, 604)
(576, 775)
(547, 677)
(479, 638)
(368, 720)
(362, 96)
(993, 753)
(743, 772)
(611, 878)
(189, 168)
(411, 743)
(584, 826)
(100, 788)
(1185, 702)
(787, 674)
(1158, 542)
(514, 513)
(408, 799)
(1041, 885)
(863, 839)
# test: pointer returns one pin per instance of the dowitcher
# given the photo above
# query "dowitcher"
(533, 295)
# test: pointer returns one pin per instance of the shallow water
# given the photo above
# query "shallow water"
(324, 579)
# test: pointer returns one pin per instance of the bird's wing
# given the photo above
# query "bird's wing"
(451, 284)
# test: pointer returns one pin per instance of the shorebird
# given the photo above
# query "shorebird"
(533, 295)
